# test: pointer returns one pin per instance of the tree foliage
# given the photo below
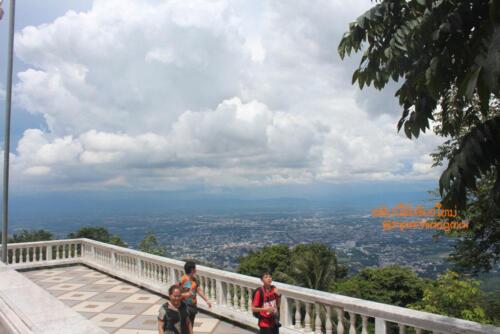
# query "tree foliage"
(313, 265)
(151, 245)
(391, 285)
(274, 259)
(98, 233)
(30, 236)
(447, 53)
(455, 297)
(478, 247)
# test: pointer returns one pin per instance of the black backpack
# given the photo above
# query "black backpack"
(166, 319)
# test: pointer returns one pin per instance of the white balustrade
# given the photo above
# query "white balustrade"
(302, 310)
(317, 319)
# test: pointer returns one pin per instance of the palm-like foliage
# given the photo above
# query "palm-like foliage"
(314, 266)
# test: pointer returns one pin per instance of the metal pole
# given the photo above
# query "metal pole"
(6, 143)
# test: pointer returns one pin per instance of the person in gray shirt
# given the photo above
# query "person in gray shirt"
(173, 315)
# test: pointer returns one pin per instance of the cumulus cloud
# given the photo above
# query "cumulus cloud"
(164, 94)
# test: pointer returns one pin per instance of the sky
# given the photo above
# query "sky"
(213, 96)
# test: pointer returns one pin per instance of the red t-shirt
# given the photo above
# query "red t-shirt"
(267, 319)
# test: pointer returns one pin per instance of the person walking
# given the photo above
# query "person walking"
(173, 315)
(191, 290)
(265, 305)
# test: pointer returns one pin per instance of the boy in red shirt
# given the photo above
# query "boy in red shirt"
(266, 303)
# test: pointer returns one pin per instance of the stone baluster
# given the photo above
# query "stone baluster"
(201, 279)
(298, 317)
(307, 318)
(402, 329)
(364, 319)
(235, 297)
(228, 295)
(219, 292)
(418, 330)
(328, 320)
(56, 249)
(48, 254)
(213, 290)
(352, 323)
(340, 320)
(380, 325)
(242, 299)
(113, 259)
(317, 319)
(250, 301)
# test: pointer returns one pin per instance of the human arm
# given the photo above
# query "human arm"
(160, 327)
(205, 298)
(162, 313)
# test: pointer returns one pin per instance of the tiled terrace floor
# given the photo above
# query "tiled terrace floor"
(115, 305)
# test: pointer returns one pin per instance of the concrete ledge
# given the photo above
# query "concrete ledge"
(27, 308)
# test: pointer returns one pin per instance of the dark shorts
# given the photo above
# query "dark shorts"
(192, 310)
(272, 330)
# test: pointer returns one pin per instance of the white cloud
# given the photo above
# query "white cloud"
(164, 94)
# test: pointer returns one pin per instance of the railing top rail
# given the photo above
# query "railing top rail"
(41, 243)
(360, 306)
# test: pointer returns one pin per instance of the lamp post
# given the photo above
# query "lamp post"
(6, 143)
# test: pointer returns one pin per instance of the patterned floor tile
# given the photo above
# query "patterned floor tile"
(152, 310)
(66, 286)
(205, 325)
(135, 331)
(82, 280)
(142, 322)
(116, 306)
(95, 274)
(77, 295)
(80, 269)
(57, 293)
(142, 298)
(114, 297)
(87, 314)
(91, 306)
(111, 319)
(108, 281)
(71, 303)
(56, 279)
(94, 287)
(47, 273)
(129, 308)
(123, 288)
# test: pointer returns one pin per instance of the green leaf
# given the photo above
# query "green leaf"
(494, 11)
(355, 76)
(469, 83)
